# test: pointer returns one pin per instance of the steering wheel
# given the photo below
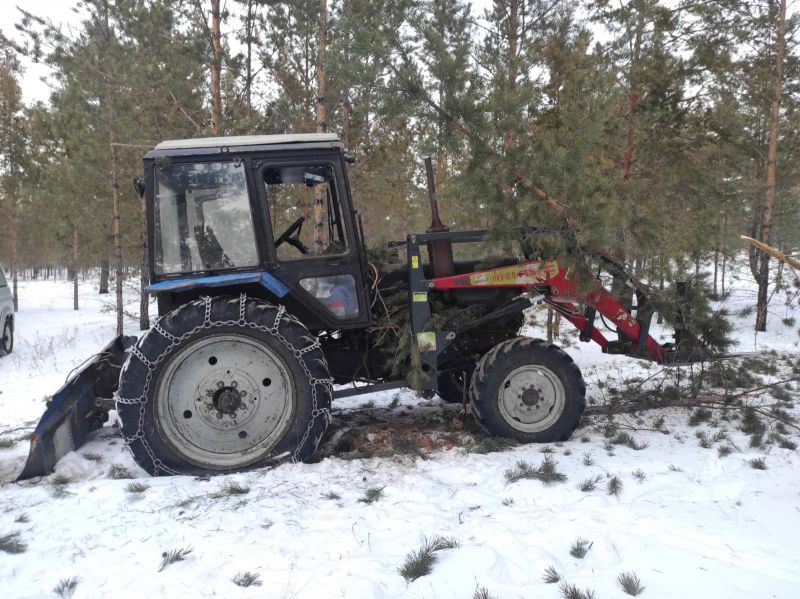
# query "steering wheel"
(292, 236)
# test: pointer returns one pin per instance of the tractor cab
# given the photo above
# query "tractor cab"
(270, 213)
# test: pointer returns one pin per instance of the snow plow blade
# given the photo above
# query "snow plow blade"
(77, 409)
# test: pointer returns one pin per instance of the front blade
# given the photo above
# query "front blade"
(76, 409)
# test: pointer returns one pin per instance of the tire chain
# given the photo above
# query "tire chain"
(316, 412)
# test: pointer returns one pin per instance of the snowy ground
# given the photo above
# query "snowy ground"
(689, 523)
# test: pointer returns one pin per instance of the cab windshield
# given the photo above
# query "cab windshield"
(203, 220)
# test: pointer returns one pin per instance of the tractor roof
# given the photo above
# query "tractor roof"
(206, 145)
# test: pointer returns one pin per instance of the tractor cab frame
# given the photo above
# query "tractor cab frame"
(238, 213)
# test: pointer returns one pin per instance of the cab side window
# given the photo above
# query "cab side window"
(297, 197)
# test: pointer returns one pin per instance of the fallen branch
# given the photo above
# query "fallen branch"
(712, 402)
(777, 254)
(763, 387)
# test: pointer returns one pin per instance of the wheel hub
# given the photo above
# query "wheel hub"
(531, 398)
(225, 401)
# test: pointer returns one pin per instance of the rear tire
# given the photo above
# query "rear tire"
(7, 339)
(223, 385)
(528, 390)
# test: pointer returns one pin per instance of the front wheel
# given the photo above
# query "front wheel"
(528, 390)
(7, 340)
(222, 385)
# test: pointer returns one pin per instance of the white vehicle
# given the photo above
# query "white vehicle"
(6, 317)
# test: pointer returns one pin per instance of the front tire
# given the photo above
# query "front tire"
(528, 390)
(223, 385)
(7, 339)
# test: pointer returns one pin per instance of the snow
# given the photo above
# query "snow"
(697, 525)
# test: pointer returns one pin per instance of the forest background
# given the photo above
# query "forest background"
(667, 129)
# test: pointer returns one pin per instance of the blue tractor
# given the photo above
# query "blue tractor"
(267, 300)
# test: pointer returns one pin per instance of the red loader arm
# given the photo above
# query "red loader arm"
(556, 282)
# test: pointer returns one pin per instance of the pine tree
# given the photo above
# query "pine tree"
(444, 31)
(12, 149)
(748, 58)
(131, 76)
(373, 118)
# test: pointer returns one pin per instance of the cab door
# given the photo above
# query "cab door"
(312, 239)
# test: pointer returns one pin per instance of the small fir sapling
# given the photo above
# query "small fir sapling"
(174, 555)
(630, 583)
(551, 576)
(615, 486)
(66, 587)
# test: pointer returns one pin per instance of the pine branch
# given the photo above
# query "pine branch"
(526, 182)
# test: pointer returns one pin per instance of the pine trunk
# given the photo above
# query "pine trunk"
(14, 257)
(144, 304)
(346, 91)
(346, 108)
(103, 275)
(716, 256)
(724, 248)
(114, 195)
(117, 232)
(511, 135)
(216, 68)
(772, 159)
(319, 190)
(249, 41)
(623, 293)
(633, 100)
(75, 268)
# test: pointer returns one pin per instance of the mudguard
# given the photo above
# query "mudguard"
(77, 409)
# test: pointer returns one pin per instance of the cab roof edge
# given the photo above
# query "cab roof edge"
(246, 140)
